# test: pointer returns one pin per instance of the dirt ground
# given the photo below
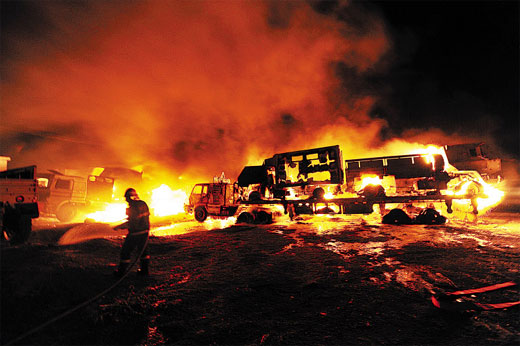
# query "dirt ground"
(315, 281)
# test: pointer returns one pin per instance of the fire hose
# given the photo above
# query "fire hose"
(81, 305)
(453, 300)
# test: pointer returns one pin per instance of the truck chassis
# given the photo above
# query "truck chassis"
(258, 208)
(296, 181)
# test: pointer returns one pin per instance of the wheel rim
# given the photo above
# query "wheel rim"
(200, 214)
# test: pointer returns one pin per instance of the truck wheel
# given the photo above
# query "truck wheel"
(66, 212)
(17, 227)
(430, 216)
(245, 217)
(318, 193)
(263, 218)
(396, 217)
(200, 214)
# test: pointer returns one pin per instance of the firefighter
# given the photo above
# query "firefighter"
(138, 226)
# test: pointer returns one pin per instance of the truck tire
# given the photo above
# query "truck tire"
(16, 227)
(66, 212)
(245, 217)
(200, 214)
(430, 216)
(318, 193)
(263, 218)
(397, 217)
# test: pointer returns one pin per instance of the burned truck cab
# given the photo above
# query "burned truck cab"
(212, 199)
(66, 196)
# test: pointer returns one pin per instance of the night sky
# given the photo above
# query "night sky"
(450, 68)
(456, 64)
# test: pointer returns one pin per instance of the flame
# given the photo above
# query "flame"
(471, 183)
(114, 212)
(217, 223)
(166, 201)
(328, 195)
(431, 150)
(370, 179)
(495, 196)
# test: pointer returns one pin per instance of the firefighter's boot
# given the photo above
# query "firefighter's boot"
(144, 270)
(121, 270)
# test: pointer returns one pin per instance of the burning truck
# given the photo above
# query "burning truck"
(480, 157)
(318, 181)
(18, 202)
(67, 195)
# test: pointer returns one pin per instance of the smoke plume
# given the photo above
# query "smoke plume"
(196, 88)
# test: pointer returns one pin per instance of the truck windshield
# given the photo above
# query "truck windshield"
(199, 189)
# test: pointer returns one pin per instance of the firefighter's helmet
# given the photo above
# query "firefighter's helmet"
(131, 194)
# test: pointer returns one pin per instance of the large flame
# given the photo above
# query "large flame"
(472, 184)
(164, 202)
(114, 212)
(370, 180)
(167, 202)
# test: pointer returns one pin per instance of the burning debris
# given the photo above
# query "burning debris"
(403, 189)
(314, 181)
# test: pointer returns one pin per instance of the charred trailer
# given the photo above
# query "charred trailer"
(406, 174)
(261, 189)
(18, 203)
(299, 174)
(289, 183)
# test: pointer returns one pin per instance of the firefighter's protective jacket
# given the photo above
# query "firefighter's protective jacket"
(138, 217)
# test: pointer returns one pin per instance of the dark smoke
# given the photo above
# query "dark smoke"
(196, 88)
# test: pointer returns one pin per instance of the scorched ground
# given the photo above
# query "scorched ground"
(320, 280)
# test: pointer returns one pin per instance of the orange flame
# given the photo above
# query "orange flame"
(164, 202)
(114, 212)
(370, 180)
(471, 183)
